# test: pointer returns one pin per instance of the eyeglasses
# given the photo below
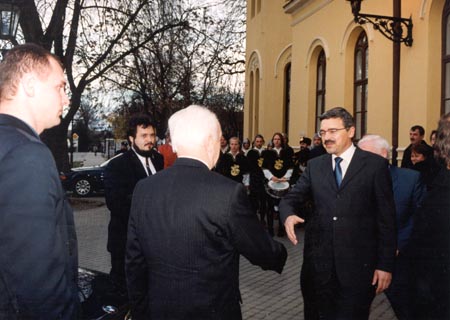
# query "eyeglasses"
(331, 131)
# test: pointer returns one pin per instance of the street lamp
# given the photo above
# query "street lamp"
(9, 15)
(390, 27)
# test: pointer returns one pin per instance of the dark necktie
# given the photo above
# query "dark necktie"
(147, 166)
(338, 171)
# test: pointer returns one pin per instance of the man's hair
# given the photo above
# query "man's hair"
(235, 138)
(258, 136)
(378, 142)
(139, 120)
(420, 128)
(192, 126)
(341, 113)
(442, 145)
(20, 60)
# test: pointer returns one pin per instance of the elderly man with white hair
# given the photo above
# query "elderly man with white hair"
(408, 194)
(186, 235)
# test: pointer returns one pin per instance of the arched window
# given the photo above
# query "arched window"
(287, 96)
(320, 87)
(360, 85)
(445, 105)
(251, 104)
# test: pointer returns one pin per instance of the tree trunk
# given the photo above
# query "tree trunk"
(56, 139)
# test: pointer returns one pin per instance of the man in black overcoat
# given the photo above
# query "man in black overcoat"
(38, 245)
(121, 176)
(188, 228)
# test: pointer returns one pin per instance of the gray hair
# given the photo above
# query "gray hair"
(192, 126)
(376, 141)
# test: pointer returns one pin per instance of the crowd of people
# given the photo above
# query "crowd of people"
(177, 228)
(267, 172)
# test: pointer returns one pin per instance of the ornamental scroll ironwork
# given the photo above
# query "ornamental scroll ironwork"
(390, 27)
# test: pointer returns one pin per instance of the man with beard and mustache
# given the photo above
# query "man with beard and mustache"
(121, 176)
(350, 236)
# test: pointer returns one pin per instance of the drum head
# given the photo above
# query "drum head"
(279, 186)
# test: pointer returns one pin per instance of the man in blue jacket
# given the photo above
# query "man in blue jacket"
(38, 246)
(408, 194)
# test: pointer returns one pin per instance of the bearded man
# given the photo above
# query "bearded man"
(121, 176)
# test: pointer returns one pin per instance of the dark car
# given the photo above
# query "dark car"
(84, 181)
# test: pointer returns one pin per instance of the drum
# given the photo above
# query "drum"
(277, 189)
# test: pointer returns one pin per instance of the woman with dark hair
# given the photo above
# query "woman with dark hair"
(433, 138)
(424, 163)
(429, 246)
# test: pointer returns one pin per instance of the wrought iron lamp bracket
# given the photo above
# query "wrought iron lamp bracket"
(390, 27)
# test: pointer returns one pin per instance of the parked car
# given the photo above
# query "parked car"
(84, 181)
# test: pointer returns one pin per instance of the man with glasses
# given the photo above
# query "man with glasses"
(350, 238)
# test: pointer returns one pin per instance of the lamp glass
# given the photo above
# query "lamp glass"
(9, 15)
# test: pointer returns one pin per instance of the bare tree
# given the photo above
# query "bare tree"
(91, 37)
(192, 65)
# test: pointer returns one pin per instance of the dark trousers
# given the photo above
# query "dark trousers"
(259, 203)
(117, 273)
(326, 298)
(398, 291)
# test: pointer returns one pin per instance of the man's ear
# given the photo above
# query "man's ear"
(210, 146)
(351, 132)
(131, 139)
(28, 84)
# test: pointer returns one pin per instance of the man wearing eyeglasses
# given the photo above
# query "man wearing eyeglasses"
(350, 237)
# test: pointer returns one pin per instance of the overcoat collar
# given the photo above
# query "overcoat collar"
(8, 120)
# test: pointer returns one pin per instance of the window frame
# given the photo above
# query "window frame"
(360, 116)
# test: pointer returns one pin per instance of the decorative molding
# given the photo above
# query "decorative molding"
(423, 9)
(254, 62)
(317, 42)
(368, 28)
(287, 59)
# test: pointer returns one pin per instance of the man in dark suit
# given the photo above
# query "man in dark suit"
(186, 235)
(350, 238)
(121, 176)
(38, 246)
(408, 195)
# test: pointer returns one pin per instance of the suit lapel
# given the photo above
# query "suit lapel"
(356, 164)
(137, 165)
(326, 168)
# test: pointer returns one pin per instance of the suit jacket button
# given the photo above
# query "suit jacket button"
(335, 218)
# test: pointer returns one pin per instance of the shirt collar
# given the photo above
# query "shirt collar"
(347, 155)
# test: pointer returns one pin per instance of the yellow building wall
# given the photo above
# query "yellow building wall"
(328, 24)
(271, 37)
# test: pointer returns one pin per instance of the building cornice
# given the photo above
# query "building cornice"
(300, 6)
(292, 6)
